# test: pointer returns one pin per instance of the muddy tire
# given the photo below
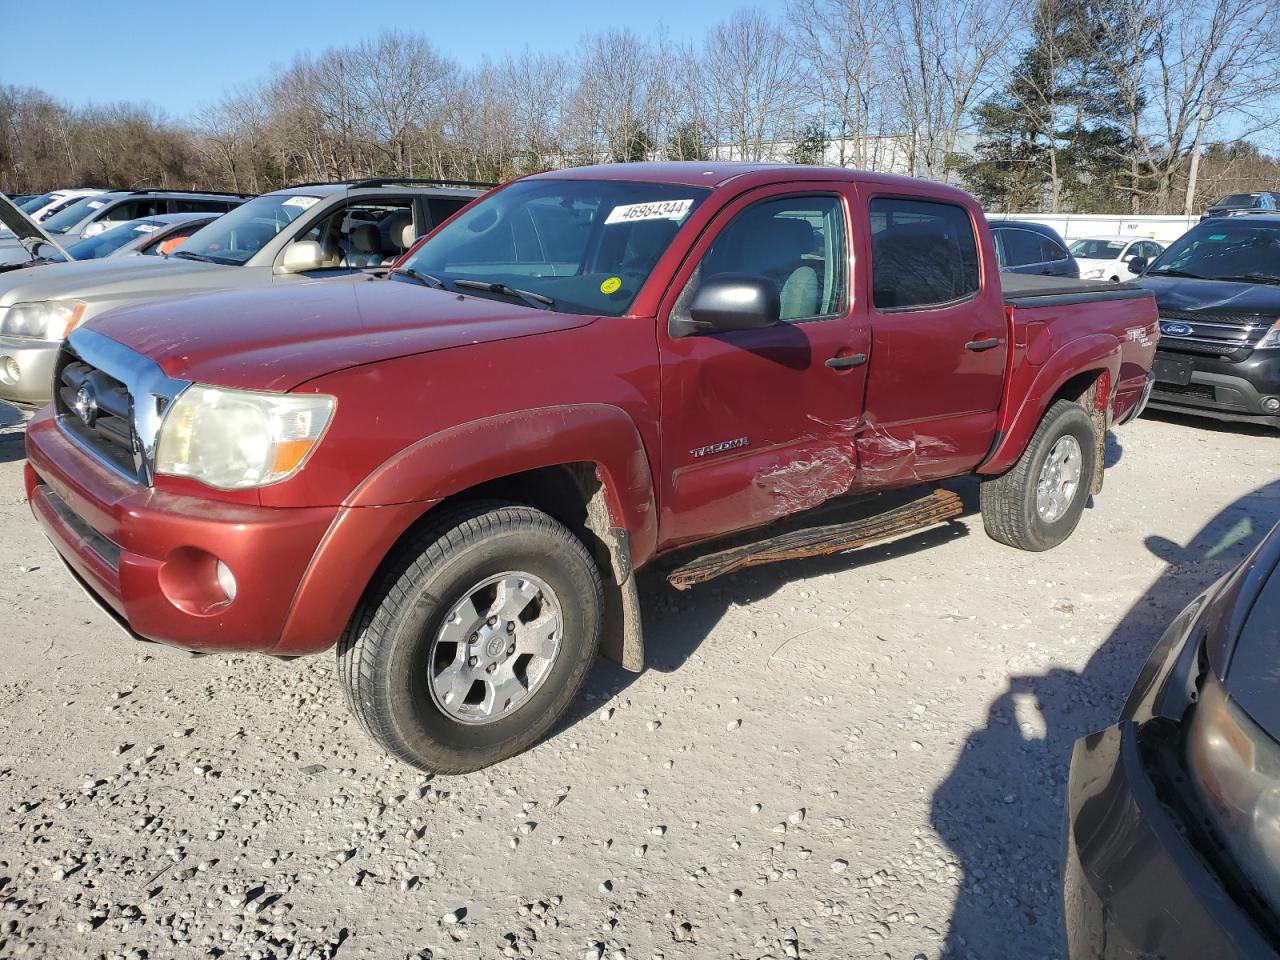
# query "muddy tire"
(475, 638)
(1037, 504)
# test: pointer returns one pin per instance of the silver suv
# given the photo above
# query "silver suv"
(307, 232)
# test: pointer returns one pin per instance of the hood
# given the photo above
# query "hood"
(1095, 262)
(276, 338)
(1213, 296)
(107, 282)
(1243, 640)
(24, 230)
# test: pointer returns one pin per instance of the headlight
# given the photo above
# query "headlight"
(1092, 274)
(233, 439)
(1272, 337)
(1235, 766)
(42, 319)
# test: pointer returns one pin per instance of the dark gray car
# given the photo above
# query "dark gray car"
(1026, 247)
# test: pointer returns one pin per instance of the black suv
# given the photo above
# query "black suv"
(1238, 203)
(1218, 291)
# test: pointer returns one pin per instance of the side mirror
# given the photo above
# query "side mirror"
(93, 229)
(301, 256)
(730, 301)
(1138, 264)
(41, 250)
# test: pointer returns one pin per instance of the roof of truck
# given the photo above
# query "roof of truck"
(717, 173)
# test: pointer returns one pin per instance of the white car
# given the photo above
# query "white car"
(47, 204)
(1107, 258)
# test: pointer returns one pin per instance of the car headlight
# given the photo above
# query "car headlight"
(42, 319)
(1235, 767)
(234, 439)
(1092, 274)
(1272, 337)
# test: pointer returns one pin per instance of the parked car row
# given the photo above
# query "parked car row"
(307, 232)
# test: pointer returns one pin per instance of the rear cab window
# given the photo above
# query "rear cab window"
(924, 254)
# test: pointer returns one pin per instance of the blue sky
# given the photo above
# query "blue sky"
(181, 55)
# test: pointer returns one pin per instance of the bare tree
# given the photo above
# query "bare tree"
(840, 45)
(947, 51)
(750, 83)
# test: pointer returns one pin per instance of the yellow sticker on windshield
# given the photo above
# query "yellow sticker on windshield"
(612, 285)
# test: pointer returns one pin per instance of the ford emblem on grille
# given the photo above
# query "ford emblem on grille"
(86, 404)
(1176, 329)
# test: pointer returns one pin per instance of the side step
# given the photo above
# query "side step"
(876, 523)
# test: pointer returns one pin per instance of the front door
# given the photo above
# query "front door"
(758, 424)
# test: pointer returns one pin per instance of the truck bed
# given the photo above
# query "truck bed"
(1031, 290)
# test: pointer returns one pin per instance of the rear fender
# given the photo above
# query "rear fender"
(1098, 352)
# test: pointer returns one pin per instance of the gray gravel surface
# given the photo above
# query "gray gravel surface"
(860, 756)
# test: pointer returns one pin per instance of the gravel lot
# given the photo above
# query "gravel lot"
(861, 756)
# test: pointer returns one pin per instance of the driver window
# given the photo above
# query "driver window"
(797, 243)
(362, 236)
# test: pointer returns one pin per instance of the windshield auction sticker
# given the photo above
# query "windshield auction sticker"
(303, 202)
(660, 210)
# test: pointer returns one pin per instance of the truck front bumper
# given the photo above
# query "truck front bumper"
(151, 558)
(1248, 391)
(26, 369)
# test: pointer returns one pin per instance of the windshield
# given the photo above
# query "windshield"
(1097, 249)
(1227, 249)
(68, 217)
(35, 203)
(238, 235)
(1238, 200)
(587, 246)
(112, 240)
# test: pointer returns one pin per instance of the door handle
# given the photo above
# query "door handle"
(980, 345)
(844, 363)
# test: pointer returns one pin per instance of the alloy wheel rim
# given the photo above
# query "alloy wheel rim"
(1059, 479)
(495, 648)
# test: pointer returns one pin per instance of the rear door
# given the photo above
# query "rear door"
(758, 424)
(938, 342)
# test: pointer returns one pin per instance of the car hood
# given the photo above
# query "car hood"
(1213, 296)
(1244, 634)
(277, 338)
(115, 280)
(1094, 262)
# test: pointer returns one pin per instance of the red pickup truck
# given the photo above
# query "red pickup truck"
(452, 471)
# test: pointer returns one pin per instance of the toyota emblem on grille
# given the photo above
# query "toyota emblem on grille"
(86, 404)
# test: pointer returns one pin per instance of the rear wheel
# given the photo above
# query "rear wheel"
(1038, 503)
(475, 640)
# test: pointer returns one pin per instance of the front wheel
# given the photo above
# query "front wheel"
(475, 640)
(1038, 503)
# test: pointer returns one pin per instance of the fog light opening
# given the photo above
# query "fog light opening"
(1271, 404)
(10, 372)
(226, 580)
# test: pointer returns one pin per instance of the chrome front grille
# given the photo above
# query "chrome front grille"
(95, 408)
(111, 400)
(1228, 335)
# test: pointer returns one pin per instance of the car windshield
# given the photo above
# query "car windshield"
(70, 216)
(35, 203)
(581, 246)
(237, 236)
(1227, 249)
(111, 240)
(1239, 200)
(1097, 249)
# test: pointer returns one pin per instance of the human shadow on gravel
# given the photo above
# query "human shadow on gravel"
(1001, 808)
(677, 622)
(12, 436)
